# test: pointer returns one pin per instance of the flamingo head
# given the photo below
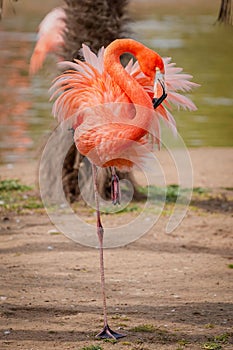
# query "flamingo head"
(150, 63)
(152, 66)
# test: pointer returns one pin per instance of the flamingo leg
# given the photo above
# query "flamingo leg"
(115, 188)
(106, 332)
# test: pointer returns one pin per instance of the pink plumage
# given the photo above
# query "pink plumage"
(50, 38)
(89, 97)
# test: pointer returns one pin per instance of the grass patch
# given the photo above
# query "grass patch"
(170, 192)
(120, 317)
(209, 326)
(15, 196)
(54, 233)
(222, 338)
(183, 342)
(216, 343)
(13, 185)
(147, 328)
(200, 190)
(130, 208)
(20, 198)
(211, 346)
(20, 204)
(125, 343)
(230, 266)
(228, 188)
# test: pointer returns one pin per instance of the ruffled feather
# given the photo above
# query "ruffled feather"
(95, 105)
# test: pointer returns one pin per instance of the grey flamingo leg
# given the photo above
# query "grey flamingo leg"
(106, 332)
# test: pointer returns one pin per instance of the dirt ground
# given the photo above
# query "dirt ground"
(163, 291)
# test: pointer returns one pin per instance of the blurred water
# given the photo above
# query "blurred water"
(193, 41)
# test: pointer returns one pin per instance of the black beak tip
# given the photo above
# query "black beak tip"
(155, 102)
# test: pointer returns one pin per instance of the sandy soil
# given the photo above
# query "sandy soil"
(176, 289)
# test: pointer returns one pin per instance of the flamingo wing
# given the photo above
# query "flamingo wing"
(83, 86)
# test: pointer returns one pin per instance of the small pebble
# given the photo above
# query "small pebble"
(176, 296)
(53, 231)
(63, 205)
(7, 332)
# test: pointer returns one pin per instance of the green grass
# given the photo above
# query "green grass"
(147, 328)
(223, 338)
(15, 196)
(120, 317)
(211, 346)
(183, 342)
(200, 190)
(20, 198)
(13, 185)
(171, 192)
(209, 325)
(228, 188)
(217, 341)
(55, 233)
(131, 207)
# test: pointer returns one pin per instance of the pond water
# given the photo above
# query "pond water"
(190, 37)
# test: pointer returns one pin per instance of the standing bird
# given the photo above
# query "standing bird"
(49, 38)
(113, 110)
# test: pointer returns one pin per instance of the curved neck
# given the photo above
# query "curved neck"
(113, 66)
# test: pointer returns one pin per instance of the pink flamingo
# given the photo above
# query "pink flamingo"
(113, 108)
(50, 38)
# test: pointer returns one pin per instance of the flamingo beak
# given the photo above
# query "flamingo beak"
(159, 85)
